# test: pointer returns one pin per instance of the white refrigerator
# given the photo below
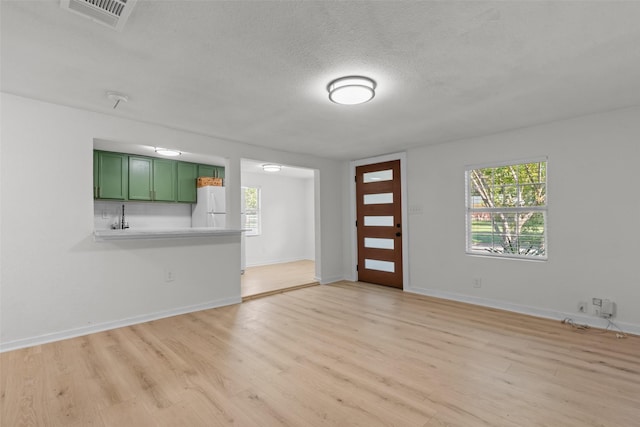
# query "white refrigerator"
(210, 210)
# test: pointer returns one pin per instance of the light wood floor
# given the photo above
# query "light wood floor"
(270, 279)
(343, 355)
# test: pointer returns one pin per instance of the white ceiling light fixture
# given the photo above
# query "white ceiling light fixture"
(168, 152)
(271, 168)
(351, 90)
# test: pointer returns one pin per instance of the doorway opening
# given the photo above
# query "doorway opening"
(278, 210)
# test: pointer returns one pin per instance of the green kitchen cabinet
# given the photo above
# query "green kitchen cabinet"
(187, 175)
(96, 174)
(152, 179)
(164, 180)
(110, 171)
(211, 170)
(140, 178)
(219, 172)
(121, 176)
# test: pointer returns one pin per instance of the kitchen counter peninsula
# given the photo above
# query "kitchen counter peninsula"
(162, 233)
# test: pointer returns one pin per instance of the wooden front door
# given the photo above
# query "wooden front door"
(379, 223)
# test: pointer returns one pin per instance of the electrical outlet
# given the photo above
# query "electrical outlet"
(169, 275)
(597, 302)
(607, 308)
(477, 282)
(582, 307)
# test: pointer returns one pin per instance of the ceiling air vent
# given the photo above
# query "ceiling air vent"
(112, 13)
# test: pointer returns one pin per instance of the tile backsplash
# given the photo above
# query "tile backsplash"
(141, 214)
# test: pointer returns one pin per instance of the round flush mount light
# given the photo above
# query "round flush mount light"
(351, 90)
(271, 168)
(167, 152)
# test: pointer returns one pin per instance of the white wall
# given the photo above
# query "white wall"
(56, 281)
(310, 218)
(287, 228)
(593, 219)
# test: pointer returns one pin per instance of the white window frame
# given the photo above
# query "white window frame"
(255, 231)
(470, 210)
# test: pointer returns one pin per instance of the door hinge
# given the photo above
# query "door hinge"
(356, 223)
(355, 178)
(357, 266)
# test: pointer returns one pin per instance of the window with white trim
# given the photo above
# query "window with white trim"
(507, 210)
(252, 211)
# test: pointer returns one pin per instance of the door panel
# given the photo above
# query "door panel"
(164, 180)
(187, 174)
(377, 243)
(378, 199)
(379, 221)
(140, 178)
(376, 264)
(385, 175)
(110, 175)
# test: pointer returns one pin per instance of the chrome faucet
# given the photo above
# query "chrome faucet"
(122, 224)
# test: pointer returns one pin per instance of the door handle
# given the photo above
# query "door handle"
(398, 234)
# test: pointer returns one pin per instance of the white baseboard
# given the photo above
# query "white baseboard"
(277, 261)
(328, 280)
(86, 330)
(595, 322)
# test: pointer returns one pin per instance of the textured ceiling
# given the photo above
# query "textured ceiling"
(256, 72)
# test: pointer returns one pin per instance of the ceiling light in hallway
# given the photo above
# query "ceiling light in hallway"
(271, 168)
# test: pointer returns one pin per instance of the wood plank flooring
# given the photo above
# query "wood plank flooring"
(271, 279)
(347, 354)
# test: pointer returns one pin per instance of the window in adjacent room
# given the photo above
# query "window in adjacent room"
(507, 210)
(252, 210)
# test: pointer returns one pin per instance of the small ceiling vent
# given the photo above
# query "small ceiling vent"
(112, 13)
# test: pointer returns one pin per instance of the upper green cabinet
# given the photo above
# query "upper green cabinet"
(152, 179)
(187, 175)
(210, 170)
(110, 171)
(164, 180)
(140, 178)
(120, 176)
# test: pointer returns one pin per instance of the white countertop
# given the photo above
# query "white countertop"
(162, 233)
